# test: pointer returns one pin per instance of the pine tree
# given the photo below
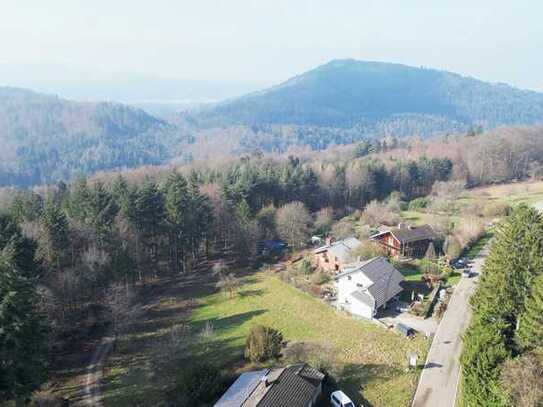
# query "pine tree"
(484, 351)
(515, 258)
(147, 215)
(78, 204)
(530, 332)
(178, 206)
(20, 249)
(54, 236)
(101, 211)
(22, 335)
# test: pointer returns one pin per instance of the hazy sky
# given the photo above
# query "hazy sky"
(267, 41)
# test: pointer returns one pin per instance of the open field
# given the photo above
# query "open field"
(370, 358)
(528, 192)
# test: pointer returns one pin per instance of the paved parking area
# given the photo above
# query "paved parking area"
(426, 326)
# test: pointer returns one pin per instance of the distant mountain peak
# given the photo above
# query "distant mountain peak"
(371, 95)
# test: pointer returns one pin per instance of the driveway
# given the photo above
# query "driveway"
(439, 379)
(391, 317)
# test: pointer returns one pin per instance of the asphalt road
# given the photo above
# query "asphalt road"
(439, 379)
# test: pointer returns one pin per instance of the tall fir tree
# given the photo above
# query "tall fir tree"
(54, 236)
(515, 260)
(178, 206)
(23, 341)
(20, 249)
(484, 350)
(101, 212)
(530, 332)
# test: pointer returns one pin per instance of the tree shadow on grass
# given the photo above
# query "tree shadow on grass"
(145, 383)
(219, 323)
(251, 293)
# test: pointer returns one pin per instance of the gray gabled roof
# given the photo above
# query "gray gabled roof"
(342, 249)
(384, 277)
(242, 389)
(293, 386)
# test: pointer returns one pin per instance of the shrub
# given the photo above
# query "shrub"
(320, 278)
(496, 209)
(377, 213)
(46, 398)
(419, 203)
(343, 229)
(316, 290)
(368, 250)
(304, 266)
(196, 385)
(263, 343)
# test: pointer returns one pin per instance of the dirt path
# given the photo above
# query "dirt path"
(92, 394)
(439, 379)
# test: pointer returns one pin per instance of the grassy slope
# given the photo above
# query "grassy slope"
(370, 356)
(522, 192)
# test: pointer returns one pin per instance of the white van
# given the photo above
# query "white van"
(340, 399)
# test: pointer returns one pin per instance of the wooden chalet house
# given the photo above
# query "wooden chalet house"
(406, 241)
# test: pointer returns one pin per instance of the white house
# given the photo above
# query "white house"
(364, 287)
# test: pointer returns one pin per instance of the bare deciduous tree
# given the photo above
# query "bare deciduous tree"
(293, 223)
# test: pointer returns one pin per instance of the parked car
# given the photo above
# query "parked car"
(340, 399)
(460, 263)
(404, 329)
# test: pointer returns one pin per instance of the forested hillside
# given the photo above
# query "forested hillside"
(383, 98)
(45, 138)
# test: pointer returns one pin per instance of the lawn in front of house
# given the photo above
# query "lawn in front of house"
(371, 359)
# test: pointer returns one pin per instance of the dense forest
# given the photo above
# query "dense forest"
(72, 251)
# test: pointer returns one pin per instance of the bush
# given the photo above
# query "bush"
(198, 384)
(496, 209)
(46, 398)
(320, 278)
(368, 250)
(263, 343)
(343, 229)
(419, 203)
(316, 290)
(377, 213)
(304, 266)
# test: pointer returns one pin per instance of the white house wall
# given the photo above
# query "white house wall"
(345, 286)
(361, 309)
(344, 289)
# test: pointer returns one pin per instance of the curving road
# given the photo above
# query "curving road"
(439, 379)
